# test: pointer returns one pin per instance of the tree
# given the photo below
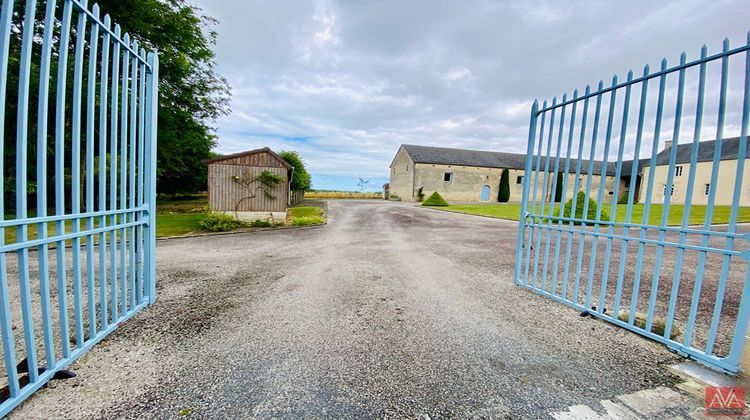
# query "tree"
(300, 177)
(503, 194)
(559, 188)
(192, 95)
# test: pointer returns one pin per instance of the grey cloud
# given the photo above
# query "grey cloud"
(360, 78)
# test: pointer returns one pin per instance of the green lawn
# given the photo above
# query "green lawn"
(166, 225)
(306, 215)
(512, 211)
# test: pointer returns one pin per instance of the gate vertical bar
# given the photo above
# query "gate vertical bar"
(41, 180)
(693, 161)
(76, 173)
(9, 348)
(90, 140)
(113, 138)
(103, 86)
(21, 204)
(62, 73)
(740, 329)
(525, 196)
(152, 104)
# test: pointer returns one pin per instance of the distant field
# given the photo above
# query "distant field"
(512, 211)
(343, 195)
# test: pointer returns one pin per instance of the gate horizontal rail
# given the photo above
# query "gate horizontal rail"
(88, 160)
(683, 285)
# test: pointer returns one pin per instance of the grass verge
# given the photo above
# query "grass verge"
(512, 211)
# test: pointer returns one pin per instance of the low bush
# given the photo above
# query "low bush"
(260, 223)
(435, 200)
(308, 220)
(420, 195)
(218, 222)
(580, 204)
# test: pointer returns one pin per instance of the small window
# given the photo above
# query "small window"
(448, 176)
(678, 171)
(519, 179)
(706, 189)
(671, 190)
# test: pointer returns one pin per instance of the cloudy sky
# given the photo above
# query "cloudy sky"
(346, 82)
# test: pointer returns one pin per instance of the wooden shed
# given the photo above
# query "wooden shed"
(251, 185)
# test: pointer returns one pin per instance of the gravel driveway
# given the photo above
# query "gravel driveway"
(388, 311)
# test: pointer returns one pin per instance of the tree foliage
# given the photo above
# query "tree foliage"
(503, 194)
(300, 177)
(191, 92)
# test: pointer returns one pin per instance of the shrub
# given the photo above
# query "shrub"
(218, 222)
(435, 200)
(580, 203)
(420, 195)
(624, 198)
(261, 223)
(308, 220)
(394, 197)
(503, 194)
(559, 188)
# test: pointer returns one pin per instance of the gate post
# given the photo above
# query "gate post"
(152, 108)
(524, 195)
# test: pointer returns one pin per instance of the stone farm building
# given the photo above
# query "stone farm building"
(462, 175)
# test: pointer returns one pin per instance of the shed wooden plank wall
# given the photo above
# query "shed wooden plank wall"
(224, 193)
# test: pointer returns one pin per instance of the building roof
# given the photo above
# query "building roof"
(729, 151)
(248, 153)
(486, 159)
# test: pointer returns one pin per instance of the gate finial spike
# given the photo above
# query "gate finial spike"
(748, 37)
(601, 85)
(646, 69)
(630, 75)
(664, 63)
(614, 80)
(565, 97)
(588, 90)
(95, 9)
(683, 58)
(575, 93)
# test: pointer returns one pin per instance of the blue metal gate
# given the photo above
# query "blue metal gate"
(102, 166)
(670, 268)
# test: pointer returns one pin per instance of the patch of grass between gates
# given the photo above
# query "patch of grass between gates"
(512, 211)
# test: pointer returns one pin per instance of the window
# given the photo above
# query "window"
(678, 171)
(448, 176)
(706, 189)
(519, 179)
(671, 190)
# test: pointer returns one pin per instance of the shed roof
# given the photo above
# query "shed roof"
(248, 153)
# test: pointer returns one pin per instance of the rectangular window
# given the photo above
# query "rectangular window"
(519, 179)
(448, 176)
(678, 171)
(671, 190)
(706, 189)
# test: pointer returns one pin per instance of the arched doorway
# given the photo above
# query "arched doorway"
(486, 193)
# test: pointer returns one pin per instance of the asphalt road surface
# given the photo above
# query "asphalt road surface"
(389, 310)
